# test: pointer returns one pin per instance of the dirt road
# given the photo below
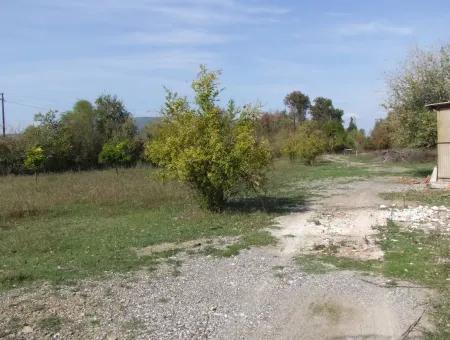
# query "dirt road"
(260, 294)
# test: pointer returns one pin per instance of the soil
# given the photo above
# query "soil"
(262, 293)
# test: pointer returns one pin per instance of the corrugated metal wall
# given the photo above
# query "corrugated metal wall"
(443, 121)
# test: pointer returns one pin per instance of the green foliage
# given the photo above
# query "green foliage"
(276, 128)
(74, 140)
(35, 159)
(80, 127)
(311, 145)
(308, 142)
(352, 125)
(215, 150)
(356, 139)
(323, 110)
(335, 135)
(422, 80)
(48, 133)
(382, 134)
(111, 115)
(298, 104)
(12, 154)
(118, 153)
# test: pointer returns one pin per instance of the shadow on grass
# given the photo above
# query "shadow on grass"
(269, 204)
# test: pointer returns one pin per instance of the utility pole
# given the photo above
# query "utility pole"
(3, 114)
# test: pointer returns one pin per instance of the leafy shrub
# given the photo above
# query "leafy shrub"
(12, 153)
(308, 143)
(35, 160)
(118, 153)
(312, 145)
(215, 150)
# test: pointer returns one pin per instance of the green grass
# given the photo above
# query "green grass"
(431, 197)
(51, 323)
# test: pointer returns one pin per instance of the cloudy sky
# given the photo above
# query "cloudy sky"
(54, 52)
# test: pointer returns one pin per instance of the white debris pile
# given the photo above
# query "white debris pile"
(423, 217)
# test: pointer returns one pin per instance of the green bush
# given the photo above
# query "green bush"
(118, 153)
(35, 160)
(12, 154)
(308, 143)
(217, 151)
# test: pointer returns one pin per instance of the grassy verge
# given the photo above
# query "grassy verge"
(410, 256)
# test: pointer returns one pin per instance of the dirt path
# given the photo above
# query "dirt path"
(260, 294)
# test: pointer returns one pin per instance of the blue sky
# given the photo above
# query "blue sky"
(57, 51)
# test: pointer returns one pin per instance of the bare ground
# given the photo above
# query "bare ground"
(260, 294)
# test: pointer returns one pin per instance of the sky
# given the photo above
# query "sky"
(55, 52)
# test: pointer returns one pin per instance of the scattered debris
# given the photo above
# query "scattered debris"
(424, 217)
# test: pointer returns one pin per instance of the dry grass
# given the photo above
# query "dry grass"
(22, 197)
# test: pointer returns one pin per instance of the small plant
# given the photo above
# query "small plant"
(34, 160)
(51, 323)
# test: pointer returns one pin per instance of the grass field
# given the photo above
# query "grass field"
(75, 225)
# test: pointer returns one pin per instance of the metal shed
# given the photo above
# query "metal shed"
(443, 140)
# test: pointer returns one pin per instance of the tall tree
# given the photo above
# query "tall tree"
(323, 110)
(48, 134)
(111, 115)
(423, 79)
(298, 105)
(80, 127)
(352, 125)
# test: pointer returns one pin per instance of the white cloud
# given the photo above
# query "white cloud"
(374, 28)
(192, 11)
(132, 65)
(179, 37)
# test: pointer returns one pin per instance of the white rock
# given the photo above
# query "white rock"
(27, 330)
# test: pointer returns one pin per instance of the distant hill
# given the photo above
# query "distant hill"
(142, 122)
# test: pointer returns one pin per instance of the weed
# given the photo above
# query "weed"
(329, 310)
(13, 326)
(51, 323)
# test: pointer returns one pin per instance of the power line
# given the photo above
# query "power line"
(28, 105)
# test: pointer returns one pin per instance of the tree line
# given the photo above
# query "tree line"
(86, 137)
(103, 133)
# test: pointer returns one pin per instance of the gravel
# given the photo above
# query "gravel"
(249, 296)
(424, 217)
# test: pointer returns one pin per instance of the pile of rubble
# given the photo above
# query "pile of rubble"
(423, 217)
